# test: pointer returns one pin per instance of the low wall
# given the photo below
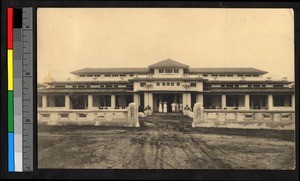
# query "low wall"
(110, 117)
(248, 119)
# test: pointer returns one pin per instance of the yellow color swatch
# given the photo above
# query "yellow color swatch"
(10, 70)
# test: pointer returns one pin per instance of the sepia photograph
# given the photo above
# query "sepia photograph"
(166, 88)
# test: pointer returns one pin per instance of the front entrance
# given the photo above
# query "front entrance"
(169, 99)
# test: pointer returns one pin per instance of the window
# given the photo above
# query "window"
(39, 102)
(81, 86)
(178, 83)
(229, 85)
(263, 85)
(88, 86)
(142, 84)
(163, 84)
(278, 100)
(74, 86)
(193, 84)
(232, 100)
(256, 86)
(172, 84)
(176, 71)
(204, 75)
(247, 75)
(56, 101)
(229, 75)
(105, 100)
(157, 84)
(278, 86)
(108, 86)
(222, 85)
(168, 83)
(115, 75)
(168, 71)
(89, 75)
(240, 75)
(221, 75)
(131, 75)
(214, 75)
(122, 75)
(107, 75)
(255, 75)
(97, 75)
(249, 85)
(160, 71)
(102, 86)
(81, 75)
(60, 86)
(236, 85)
(116, 86)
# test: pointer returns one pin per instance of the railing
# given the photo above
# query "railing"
(125, 117)
(249, 115)
(249, 119)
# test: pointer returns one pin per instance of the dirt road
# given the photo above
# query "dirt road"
(164, 142)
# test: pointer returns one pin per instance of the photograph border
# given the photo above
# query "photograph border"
(188, 174)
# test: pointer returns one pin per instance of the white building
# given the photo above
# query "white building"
(168, 81)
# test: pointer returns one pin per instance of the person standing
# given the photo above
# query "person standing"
(160, 107)
(173, 107)
(165, 107)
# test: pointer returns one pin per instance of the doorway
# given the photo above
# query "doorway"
(168, 98)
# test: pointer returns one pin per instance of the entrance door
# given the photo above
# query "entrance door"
(168, 98)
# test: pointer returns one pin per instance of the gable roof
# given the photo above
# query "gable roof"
(110, 70)
(227, 70)
(168, 63)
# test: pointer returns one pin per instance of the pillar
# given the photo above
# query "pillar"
(223, 101)
(113, 101)
(90, 101)
(133, 115)
(247, 102)
(270, 102)
(150, 101)
(146, 103)
(200, 98)
(44, 101)
(189, 100)
(136, 98)
(67, 102)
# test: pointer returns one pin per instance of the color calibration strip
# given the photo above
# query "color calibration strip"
(20, 94)
(10, 114)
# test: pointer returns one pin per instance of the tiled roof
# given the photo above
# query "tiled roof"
(168, 63)
(110, 70)
(226, 70)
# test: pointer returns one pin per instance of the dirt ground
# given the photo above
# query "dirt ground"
(164, 142)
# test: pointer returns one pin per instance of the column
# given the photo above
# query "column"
(270, 102)
(247, 102)
(90, 102)
(113, 101)
(44, 101)
(200, 98)
(150, 100)
(146, 103)
(223, 101)
(136, 98)
(67, 102)
(293, 101)
(189, 99)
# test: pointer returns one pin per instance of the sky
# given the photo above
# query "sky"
(72, 39)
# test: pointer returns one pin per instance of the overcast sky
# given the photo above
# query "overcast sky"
(71, 39)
